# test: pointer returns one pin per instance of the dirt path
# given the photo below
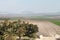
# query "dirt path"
(47, 28)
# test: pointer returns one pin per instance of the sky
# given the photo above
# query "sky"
(36, 6)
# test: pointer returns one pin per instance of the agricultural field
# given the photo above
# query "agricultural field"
(57, 22)
(53, 19)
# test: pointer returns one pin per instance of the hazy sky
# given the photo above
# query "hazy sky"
(17, 6)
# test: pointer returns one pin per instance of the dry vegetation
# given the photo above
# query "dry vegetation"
(13, 30)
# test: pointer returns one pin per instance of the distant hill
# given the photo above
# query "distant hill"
(25, 14)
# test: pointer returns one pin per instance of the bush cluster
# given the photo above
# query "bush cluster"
(18, 28)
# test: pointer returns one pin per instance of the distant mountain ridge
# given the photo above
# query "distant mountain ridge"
(24, 14)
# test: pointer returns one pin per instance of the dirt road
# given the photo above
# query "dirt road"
(47, 28)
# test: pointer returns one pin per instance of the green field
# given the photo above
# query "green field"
(57, 22)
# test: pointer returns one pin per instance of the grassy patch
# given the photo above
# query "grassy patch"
(57, 22)
(38, 17)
